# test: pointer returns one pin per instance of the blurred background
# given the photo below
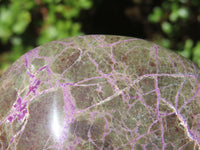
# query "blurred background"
(25, 24)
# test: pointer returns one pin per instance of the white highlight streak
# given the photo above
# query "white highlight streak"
(56, 128)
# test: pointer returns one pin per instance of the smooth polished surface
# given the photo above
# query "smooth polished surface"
(100, 93)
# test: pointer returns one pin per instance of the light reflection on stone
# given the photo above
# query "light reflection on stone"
(56, 125)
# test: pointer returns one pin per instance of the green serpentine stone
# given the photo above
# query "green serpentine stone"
(100, 92)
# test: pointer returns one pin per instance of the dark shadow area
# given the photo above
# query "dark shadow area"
(111, 17)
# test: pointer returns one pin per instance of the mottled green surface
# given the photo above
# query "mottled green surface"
(100, 93)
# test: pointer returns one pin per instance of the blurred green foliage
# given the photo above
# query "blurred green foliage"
(27, 23)
(174, 17)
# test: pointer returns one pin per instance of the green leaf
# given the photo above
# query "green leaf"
(196, 53)
(188, 44)
(166, 43)
(156, 16)
(187, 52)
(166, 27)
(183, 13)
(174, 16)
(85, 4)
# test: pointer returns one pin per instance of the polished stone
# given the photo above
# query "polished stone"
(100, 92)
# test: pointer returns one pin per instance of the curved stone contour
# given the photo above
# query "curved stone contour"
(100, 92)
